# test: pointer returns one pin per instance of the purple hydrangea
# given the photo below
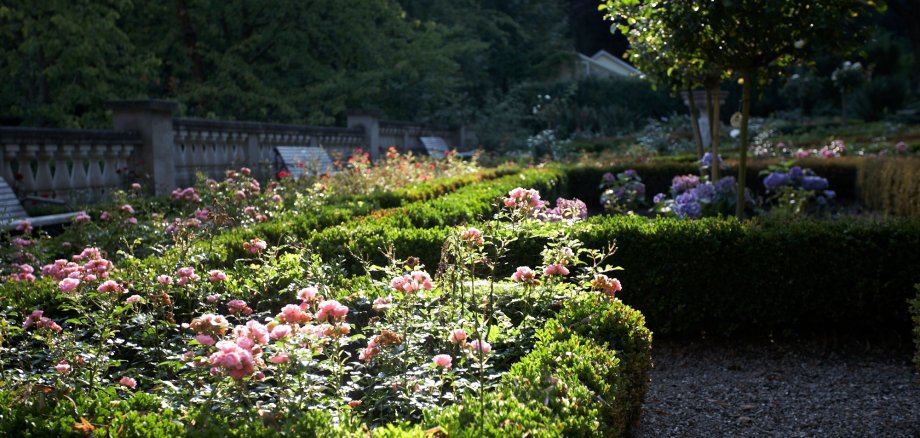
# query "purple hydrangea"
(568, 209)
(830, 194)
(775, 180)
(795, 172)
(682, 183)
(630, 173)
(705, 192)
(608, 177)
(706, 161)
(814, 183)
(726, 186)
(659, 198)
(691, 209)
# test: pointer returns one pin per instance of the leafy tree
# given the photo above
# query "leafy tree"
(751, 39)
(60, 60)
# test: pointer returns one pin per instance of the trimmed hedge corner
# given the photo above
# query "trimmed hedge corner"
(587, 376)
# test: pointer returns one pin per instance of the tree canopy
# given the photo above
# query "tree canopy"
(284, 61)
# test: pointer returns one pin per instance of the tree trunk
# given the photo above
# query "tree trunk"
(714, 98)
(695, 122)
(742, 165)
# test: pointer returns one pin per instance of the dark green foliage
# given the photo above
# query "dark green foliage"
(722, 277)
(915, 316)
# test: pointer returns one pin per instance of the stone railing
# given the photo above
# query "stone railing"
(212, 146)
(151, 146)
(66, 164)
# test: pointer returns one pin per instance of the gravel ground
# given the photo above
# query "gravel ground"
(802, 390)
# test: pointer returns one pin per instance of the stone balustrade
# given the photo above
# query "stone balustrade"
(151, 146)
(66, 164)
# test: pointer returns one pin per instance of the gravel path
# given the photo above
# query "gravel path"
(767, 390)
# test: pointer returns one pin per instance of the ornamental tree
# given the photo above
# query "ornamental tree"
(749, 39)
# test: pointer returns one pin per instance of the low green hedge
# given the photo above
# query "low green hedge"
(720, 276)
(587, 376)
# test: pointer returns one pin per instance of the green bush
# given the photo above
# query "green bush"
(586, 376)
(720, 276)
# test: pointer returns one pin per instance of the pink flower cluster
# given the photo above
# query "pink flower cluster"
(412, 282)
(237, 361)
(610, 286)
(25, 274)
(82, 217)
(525, 275)
(216, 276)
(186, 275)
(70, 274)
(472, 236)
(331, 310)
(442, 360)
(238, 306)
(127, 382)
(523, 199)
(186, 194)
(255, 246)
(39, 321)
(555, 269)
(383, 303)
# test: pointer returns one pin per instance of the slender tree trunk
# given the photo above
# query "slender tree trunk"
(742, 165)
(695, 122)
(714, 97)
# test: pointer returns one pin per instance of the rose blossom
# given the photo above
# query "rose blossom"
(442, 360)
(128, 382)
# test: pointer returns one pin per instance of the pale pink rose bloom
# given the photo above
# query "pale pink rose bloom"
(213, 298)
(24, 227)
(524, 274)
(82, 217)
(294, 314)
(110, 286)
(280, 332)
(216, 275)
(135, 186)
(238, 306)
(134, 299)
(68, 284)
(280, 358)
(331, 309)
(164, 279)
(477, 346)
(442, 360)
(308, 293)
(128, 382)
(246, 171)
(239, 195)
(202, 214)
(457, 336)
(204, 340)
(105, 216)
(127, 208)
(276, 198)
(62, 367)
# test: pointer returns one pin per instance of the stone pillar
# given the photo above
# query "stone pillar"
(699, 98)
(155, 159)
(370, 122)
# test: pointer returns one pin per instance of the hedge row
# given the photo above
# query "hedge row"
(719, 275)
(587, 376)
(227, 246)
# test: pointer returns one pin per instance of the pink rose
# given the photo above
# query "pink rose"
(128, 382)
(68, 284)
(442, 360)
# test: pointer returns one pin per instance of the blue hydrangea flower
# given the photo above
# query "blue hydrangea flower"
(726, 185)
(814, 183)
(659, 198)
(775, 180)
(795, 172)
(630, 173)
(705, 192)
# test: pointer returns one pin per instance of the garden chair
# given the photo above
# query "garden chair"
(12, 213)
(437, 147)
(300, 161)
